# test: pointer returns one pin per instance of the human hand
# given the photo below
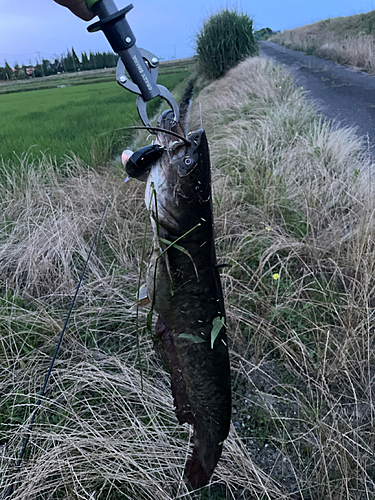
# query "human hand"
(78, 7)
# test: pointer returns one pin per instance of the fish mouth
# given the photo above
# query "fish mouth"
(177, 147)
(171, 142)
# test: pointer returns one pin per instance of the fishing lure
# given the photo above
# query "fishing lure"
(139, 164)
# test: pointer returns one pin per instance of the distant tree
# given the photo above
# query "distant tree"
(3, 73)
(263, 34)
(69, 62)
(85, 62)
(18, 72)
(55, 64)
(24, 72)
(47, 67)
(110, 59)
(66, 63)
(59, 63)
(76, 62)
(38, 70)
(92, 60)
(8, 71)
(99, 59)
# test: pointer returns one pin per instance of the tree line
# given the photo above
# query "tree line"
(67, 63)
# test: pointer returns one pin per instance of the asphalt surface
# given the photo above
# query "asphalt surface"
(344, 95)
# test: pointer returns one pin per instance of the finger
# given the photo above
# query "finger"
(78, 7)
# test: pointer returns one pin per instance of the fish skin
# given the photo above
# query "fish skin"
(186, 293)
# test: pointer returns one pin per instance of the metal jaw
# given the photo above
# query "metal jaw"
(152, 63)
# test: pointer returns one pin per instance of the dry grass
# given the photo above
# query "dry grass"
(102, 432)
(335, 40)
(293, 198)
(294, 202)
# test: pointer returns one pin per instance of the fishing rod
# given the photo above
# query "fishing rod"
(41, 394)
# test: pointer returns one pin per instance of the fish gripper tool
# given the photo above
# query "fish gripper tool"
(137, 69)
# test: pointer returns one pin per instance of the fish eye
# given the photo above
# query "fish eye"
(188, 161)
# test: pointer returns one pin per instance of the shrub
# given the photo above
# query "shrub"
(264, 34)
(225, 39)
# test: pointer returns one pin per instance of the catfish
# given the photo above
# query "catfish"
(184, 287)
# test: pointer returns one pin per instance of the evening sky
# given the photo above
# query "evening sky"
(34, 29)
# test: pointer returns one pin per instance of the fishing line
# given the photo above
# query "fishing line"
(29, 429)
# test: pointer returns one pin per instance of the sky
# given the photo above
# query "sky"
(35, 29)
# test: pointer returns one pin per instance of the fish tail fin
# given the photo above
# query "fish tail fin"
(206, 454)
(195, 474)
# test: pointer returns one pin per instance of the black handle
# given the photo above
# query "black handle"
(121, 38)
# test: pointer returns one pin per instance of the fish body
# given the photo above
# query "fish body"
(184, 287)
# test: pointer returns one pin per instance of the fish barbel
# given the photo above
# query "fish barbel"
(184, 286)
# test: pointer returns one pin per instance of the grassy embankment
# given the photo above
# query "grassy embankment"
(294, 212)
(72, 113)
(345, 40)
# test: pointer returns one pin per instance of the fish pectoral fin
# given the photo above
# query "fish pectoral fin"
(142, 297)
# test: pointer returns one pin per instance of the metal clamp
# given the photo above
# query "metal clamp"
(122, 78)
(165, 94)
(141, 65)
(153, 65)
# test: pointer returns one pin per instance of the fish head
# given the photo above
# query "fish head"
(179, 182)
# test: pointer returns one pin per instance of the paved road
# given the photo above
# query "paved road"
(342, 94)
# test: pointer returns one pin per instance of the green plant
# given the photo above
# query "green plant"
(81, 118)
(225, 39)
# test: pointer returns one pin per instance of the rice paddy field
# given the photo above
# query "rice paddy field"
(75, 113)
(294, 220)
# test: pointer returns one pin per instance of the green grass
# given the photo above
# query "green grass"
(83, 77)
(52, 81)
(346, 26)
(57, 121)
(350, 25)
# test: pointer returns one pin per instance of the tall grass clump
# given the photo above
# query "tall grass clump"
(224, 40)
